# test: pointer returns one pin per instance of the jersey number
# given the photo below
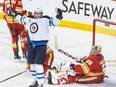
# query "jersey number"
(89, 62)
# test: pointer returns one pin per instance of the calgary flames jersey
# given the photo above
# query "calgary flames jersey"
(16, 5)
(49, 57)
(93, 65)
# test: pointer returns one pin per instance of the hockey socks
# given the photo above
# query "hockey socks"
(37, 74)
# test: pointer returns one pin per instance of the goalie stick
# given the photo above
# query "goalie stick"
(79, 60)
(13, 76)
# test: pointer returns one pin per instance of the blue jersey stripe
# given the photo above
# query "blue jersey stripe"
(21, 20)
(40, 77)
(51, 23)
(38, 43)
(32, 71)
(33, 74)
(40, 73)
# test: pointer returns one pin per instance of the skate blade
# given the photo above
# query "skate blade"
(19, 61)
(23, 60)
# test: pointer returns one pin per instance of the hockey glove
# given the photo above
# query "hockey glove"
(68, 66)
(80, 59)
(29, 13)
(59, 13)
(28, 66)
(23, 12)
(72, 66)
(13, 13)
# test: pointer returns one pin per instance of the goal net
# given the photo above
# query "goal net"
(104, 34)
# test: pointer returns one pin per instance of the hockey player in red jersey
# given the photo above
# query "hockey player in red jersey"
(14, 26)
(89, 71)
(49, 59)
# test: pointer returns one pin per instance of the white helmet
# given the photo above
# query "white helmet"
(38, 10)
(95, 50)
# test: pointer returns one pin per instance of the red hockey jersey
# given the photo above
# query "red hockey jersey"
(93, 65)
(16, 5)
(49, 57)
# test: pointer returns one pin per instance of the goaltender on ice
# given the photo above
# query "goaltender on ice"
(37, 26)
(91, 70)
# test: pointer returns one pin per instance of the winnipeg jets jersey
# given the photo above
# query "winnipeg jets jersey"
(38, 28)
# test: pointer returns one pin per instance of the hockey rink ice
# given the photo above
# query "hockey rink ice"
(75, 42)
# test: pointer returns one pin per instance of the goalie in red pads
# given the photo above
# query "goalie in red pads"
(91, 70)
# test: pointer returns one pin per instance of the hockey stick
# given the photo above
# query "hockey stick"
(79, 60)
(13, 76)
(14, 26)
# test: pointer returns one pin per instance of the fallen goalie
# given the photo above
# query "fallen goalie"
(91, 70)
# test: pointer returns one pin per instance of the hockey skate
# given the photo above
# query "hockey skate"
(35, 84)
(49, 78)
(18, 60)
(40, 85)
(17, 57)
(25, 55)
(24, 59)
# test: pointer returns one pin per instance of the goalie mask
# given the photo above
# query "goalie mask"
(95, 50)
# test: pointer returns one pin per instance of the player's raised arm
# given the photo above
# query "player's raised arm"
(55, 21)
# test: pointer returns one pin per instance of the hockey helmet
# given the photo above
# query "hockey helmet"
(38, 10)
(95, 50)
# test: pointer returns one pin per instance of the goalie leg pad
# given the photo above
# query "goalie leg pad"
(52, 77)
(57, 78)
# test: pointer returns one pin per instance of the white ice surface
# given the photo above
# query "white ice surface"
(76, 42)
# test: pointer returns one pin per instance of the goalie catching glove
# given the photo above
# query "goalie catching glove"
(59, 13)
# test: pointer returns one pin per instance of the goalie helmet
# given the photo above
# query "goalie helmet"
(95, 50)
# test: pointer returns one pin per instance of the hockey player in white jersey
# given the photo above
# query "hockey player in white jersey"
(37, 26)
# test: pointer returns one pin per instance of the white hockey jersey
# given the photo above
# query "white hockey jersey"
(38, 28)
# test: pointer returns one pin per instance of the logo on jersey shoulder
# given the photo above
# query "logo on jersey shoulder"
(34, 27)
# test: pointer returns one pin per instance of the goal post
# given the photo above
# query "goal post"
(104, 34)
(102, 21)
